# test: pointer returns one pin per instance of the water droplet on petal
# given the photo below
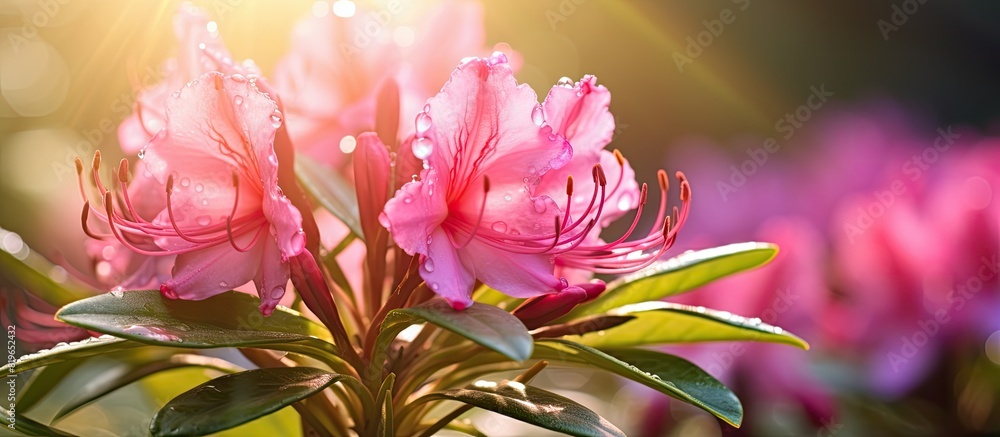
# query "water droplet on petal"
(507, 197)
(203, 220)
(239, 78)
(435, 286)
(429, 240)
(238, 100)
(538, 115)
(185, 182)
(427, 107)
(277, 292)
(563, 283)
(429, 265)
(498, 57)
(422, 147)
(118, 292)
(276, 119)
(199, 187)
(423, 123)
(407, 199)
(565, 82)
(500, 227)
(539, 204)
(176, 94)
(223, 284)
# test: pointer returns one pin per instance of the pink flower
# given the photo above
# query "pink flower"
(225, 218)
(330, 80)
(474, 213)
(200, 50)
(579, 112)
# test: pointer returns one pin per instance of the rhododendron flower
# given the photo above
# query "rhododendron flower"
(225, 217)
(199, 50)
(579, 112)
(474, 213)
(330, 80)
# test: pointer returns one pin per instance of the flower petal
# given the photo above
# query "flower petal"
(445, 273)
(514, 274)
(417, 209)
(204, 273)
(272, 276)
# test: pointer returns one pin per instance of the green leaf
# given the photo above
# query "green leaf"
(26, 426)
(665, 322)
(70, 351)
(682, 273)
(131, 369)
(489, 326)
(531, 405)
(42, 382)
(231, 400)
(331, 190)
(230, 319)
(668, 374)
(32, 274)
(385, 426)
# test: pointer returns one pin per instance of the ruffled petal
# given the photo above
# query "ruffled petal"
(445, 272)
(580, 114)
(207, 272)
(272, 276)
(415, 212)
(514, 274)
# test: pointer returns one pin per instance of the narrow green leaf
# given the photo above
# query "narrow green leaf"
(489, 326)
(42, 382)
(386, 426)
(668, 374)
(70, 351)
(127, 371)
(331, 190)
(32, 274)
(230, 319)
(231, 400)
(665, 322)
(26, 426)
(677, 275)
(531, 405)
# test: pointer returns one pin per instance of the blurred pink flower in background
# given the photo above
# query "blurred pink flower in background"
(199, 50)
(330, 79)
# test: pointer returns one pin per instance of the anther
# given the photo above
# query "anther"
(170, 184)
(643, 194)
(569, 185)
(84, 218)
(123, 171)
(661, 175)
(486, 184)
(619, 158)
(602, 179)
(97, 161)
(79, 166)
